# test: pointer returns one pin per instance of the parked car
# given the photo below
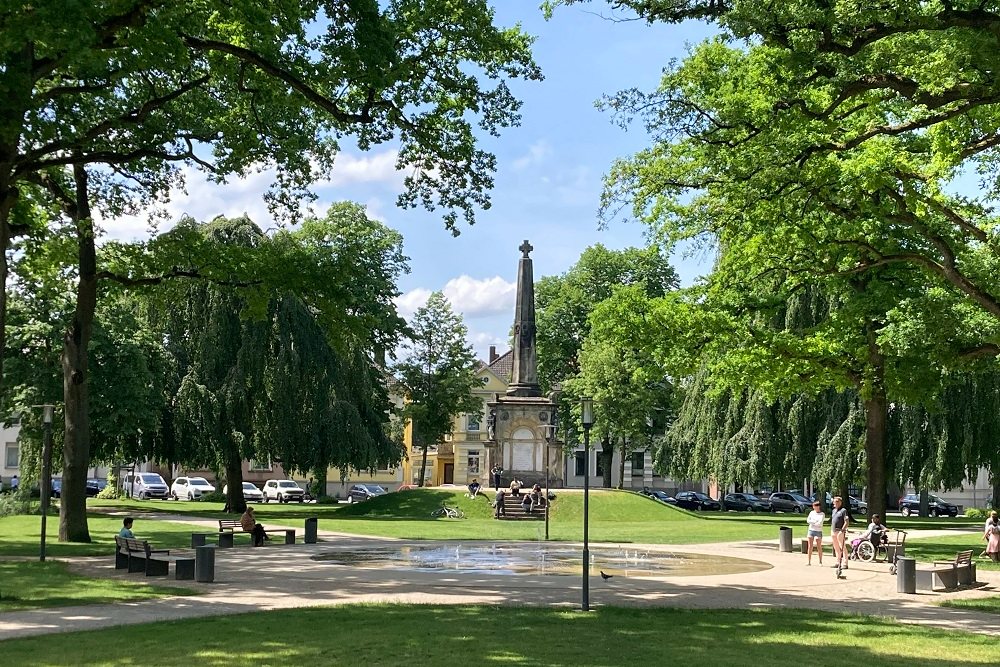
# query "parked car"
(144, 485)
(190, 488)
(695, 500)
(95, 486)
(360, 492)
(857, 506)
(250, 492)
(910, 504)
(745, 502)
(785, 501)
(283, 490)
(663, 497)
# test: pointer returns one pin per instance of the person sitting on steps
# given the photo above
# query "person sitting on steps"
(526, 503)
(515, 487)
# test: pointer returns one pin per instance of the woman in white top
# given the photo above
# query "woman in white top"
(815, 538)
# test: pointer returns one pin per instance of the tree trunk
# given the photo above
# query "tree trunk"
(319, 483)
(235, 501)
(76, 385)
(996, 494)
(607, 455)
(621, 466)
(423, 464)
(876, 428)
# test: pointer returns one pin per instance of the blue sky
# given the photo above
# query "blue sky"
(548, 180)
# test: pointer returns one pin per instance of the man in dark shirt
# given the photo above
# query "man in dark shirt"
(839, 521)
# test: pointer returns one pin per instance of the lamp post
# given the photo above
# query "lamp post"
(46, 481)
(587, 419)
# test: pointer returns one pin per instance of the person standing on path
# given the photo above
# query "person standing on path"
(992, 536)
(496, 473)
(815, 535)
(839, 521)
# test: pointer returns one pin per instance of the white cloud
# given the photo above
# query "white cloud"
(368, 168)
(408, 303)
(202, 200)
(474, 297)
(536, 154)
(469, 296)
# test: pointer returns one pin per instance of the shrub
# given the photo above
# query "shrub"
(976, 513)
(12, 504)
(214, 497)
(327, 500)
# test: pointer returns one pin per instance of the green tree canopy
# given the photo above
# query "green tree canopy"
(436, 374)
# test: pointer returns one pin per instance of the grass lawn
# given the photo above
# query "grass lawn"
(19, 535)
(615, 516)
(27, 585)
(989, 605)
(944, 548)
(482, 635)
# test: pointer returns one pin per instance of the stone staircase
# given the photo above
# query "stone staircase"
(514, 512)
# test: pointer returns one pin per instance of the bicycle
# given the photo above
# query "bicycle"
(448, 513)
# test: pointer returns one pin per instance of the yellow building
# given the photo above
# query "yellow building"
(462, 456)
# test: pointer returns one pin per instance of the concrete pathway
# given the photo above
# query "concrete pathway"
(280, 577)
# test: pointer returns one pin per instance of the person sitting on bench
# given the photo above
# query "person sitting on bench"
(126, 530)
(250, 525)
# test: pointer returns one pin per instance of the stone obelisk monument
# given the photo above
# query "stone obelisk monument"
(520, 423)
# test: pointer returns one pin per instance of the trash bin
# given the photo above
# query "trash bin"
(785, 539)
(906, 575)
(312, 524)
(204, 563)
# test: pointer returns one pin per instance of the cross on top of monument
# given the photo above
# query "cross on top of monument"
(525, 248)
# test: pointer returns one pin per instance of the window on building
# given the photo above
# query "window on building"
(580, 460)
(13, 455)
(638, 461)
(260, 465)
(473, 461)
(472, 421)
(600, 465)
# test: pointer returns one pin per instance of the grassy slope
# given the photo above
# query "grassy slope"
(398, 635)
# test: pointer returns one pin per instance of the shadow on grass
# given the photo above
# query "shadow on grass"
(436, 635)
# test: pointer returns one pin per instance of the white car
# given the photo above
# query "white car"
(250, 492)
(190, 488)
(283, 490)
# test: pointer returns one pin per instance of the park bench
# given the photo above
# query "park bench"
(138, 556)
(948, 574)
(228, 527)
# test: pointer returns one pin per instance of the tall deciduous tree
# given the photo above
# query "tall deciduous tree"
(828, 147)
(631, 391)
(276, 375)
(437, 374)
(122, 93)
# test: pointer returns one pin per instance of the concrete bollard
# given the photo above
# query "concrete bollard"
(312, 526)
(906, 575)
(204, 563)
(785, 539)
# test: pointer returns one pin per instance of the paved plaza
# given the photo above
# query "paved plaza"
(283, 577)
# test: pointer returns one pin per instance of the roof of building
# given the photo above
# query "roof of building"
(502, 366)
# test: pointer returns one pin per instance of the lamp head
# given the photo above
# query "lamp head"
(587, 411)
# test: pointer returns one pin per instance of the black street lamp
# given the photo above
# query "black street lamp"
(46, 482)
(587, 419)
